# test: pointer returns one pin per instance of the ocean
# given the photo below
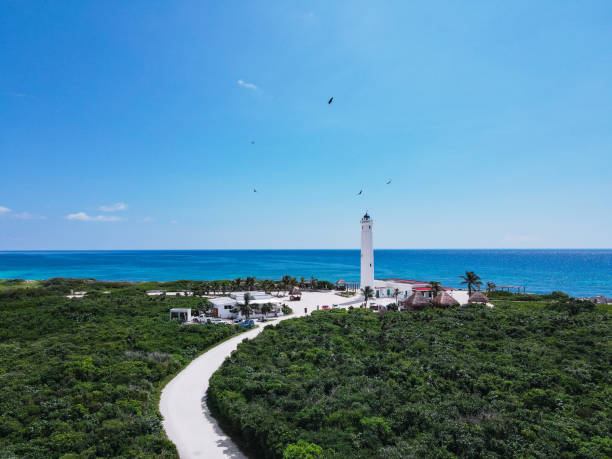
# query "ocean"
(577, 272)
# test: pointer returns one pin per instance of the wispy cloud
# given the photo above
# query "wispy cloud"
(244, 84)
(148, 219)
(113, 207)
(28, 216)
(82, 216)
(6, 212)
(174, 222)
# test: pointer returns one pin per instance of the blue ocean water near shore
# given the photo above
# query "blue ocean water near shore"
(577, 272)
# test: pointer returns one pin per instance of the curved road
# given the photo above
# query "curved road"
(187, 421)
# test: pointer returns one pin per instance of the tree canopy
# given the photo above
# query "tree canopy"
(82, 377)
(523, 379)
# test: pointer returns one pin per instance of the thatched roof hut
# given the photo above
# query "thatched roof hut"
(415, 301)
(478, 297)
(444, 300)
(295, 295)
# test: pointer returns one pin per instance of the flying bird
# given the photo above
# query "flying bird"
(252, 142)
(331, 99)
(389, 181)
(360, 191)
(254, 190)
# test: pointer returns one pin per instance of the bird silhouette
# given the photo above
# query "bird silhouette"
(252, 142)
(330, 100)
(254, 190)
(360, 191)
(389, 181)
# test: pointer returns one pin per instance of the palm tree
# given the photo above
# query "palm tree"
(266, 308)
(490, 287)
(267, 285)
(396, 294)
(302, 282)
(313, 283)
(286, 282)
(250, 283)
(471, 279)
(245, 308)
(435, 288)
(368, 293)
(236, 284)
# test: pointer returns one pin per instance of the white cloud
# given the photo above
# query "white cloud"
(82, 216)
(113, 207)
(174, 222)
(244, 84)
(148, 219)
(5, 211)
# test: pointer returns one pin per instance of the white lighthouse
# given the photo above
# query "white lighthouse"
(367, 252)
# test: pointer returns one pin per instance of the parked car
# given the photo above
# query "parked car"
(238, 320)
(215, 321)
(247, 323)
(325, 306)
(335, 306)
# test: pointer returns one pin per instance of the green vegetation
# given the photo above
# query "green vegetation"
(524, 379)
(81, 378)
(6, 284)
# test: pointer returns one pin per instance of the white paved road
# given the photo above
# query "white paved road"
(187, 421)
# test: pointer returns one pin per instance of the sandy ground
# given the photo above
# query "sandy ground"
(187, 421)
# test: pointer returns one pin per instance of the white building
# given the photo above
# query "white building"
(385, 288)
(367, 252)
(182, 314)
(222, 307)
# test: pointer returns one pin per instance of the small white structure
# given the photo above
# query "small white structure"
(367, 252)
(222, 307)
(161, 292)
(74, 294)
(182, 314)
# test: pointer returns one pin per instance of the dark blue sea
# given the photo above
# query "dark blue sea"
(577, 272)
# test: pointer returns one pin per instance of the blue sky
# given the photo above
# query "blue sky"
(491, 118)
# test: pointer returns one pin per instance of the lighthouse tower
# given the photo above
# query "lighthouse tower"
(367, 252)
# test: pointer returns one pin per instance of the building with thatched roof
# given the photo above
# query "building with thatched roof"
(415, 302)
(295, 295)
(478, 297)
(444, 300)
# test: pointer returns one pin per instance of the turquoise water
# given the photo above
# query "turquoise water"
(577, 272)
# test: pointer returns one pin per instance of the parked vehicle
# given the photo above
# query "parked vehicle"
(238, 320)
(335, 306)
(325, 306)
(215, 321)
(247, 323)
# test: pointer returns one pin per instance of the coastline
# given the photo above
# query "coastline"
(578, 272)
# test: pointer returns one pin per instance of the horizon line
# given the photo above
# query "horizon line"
(304, 250)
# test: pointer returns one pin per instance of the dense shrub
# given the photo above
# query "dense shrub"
(82, 376)
(467, 382)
